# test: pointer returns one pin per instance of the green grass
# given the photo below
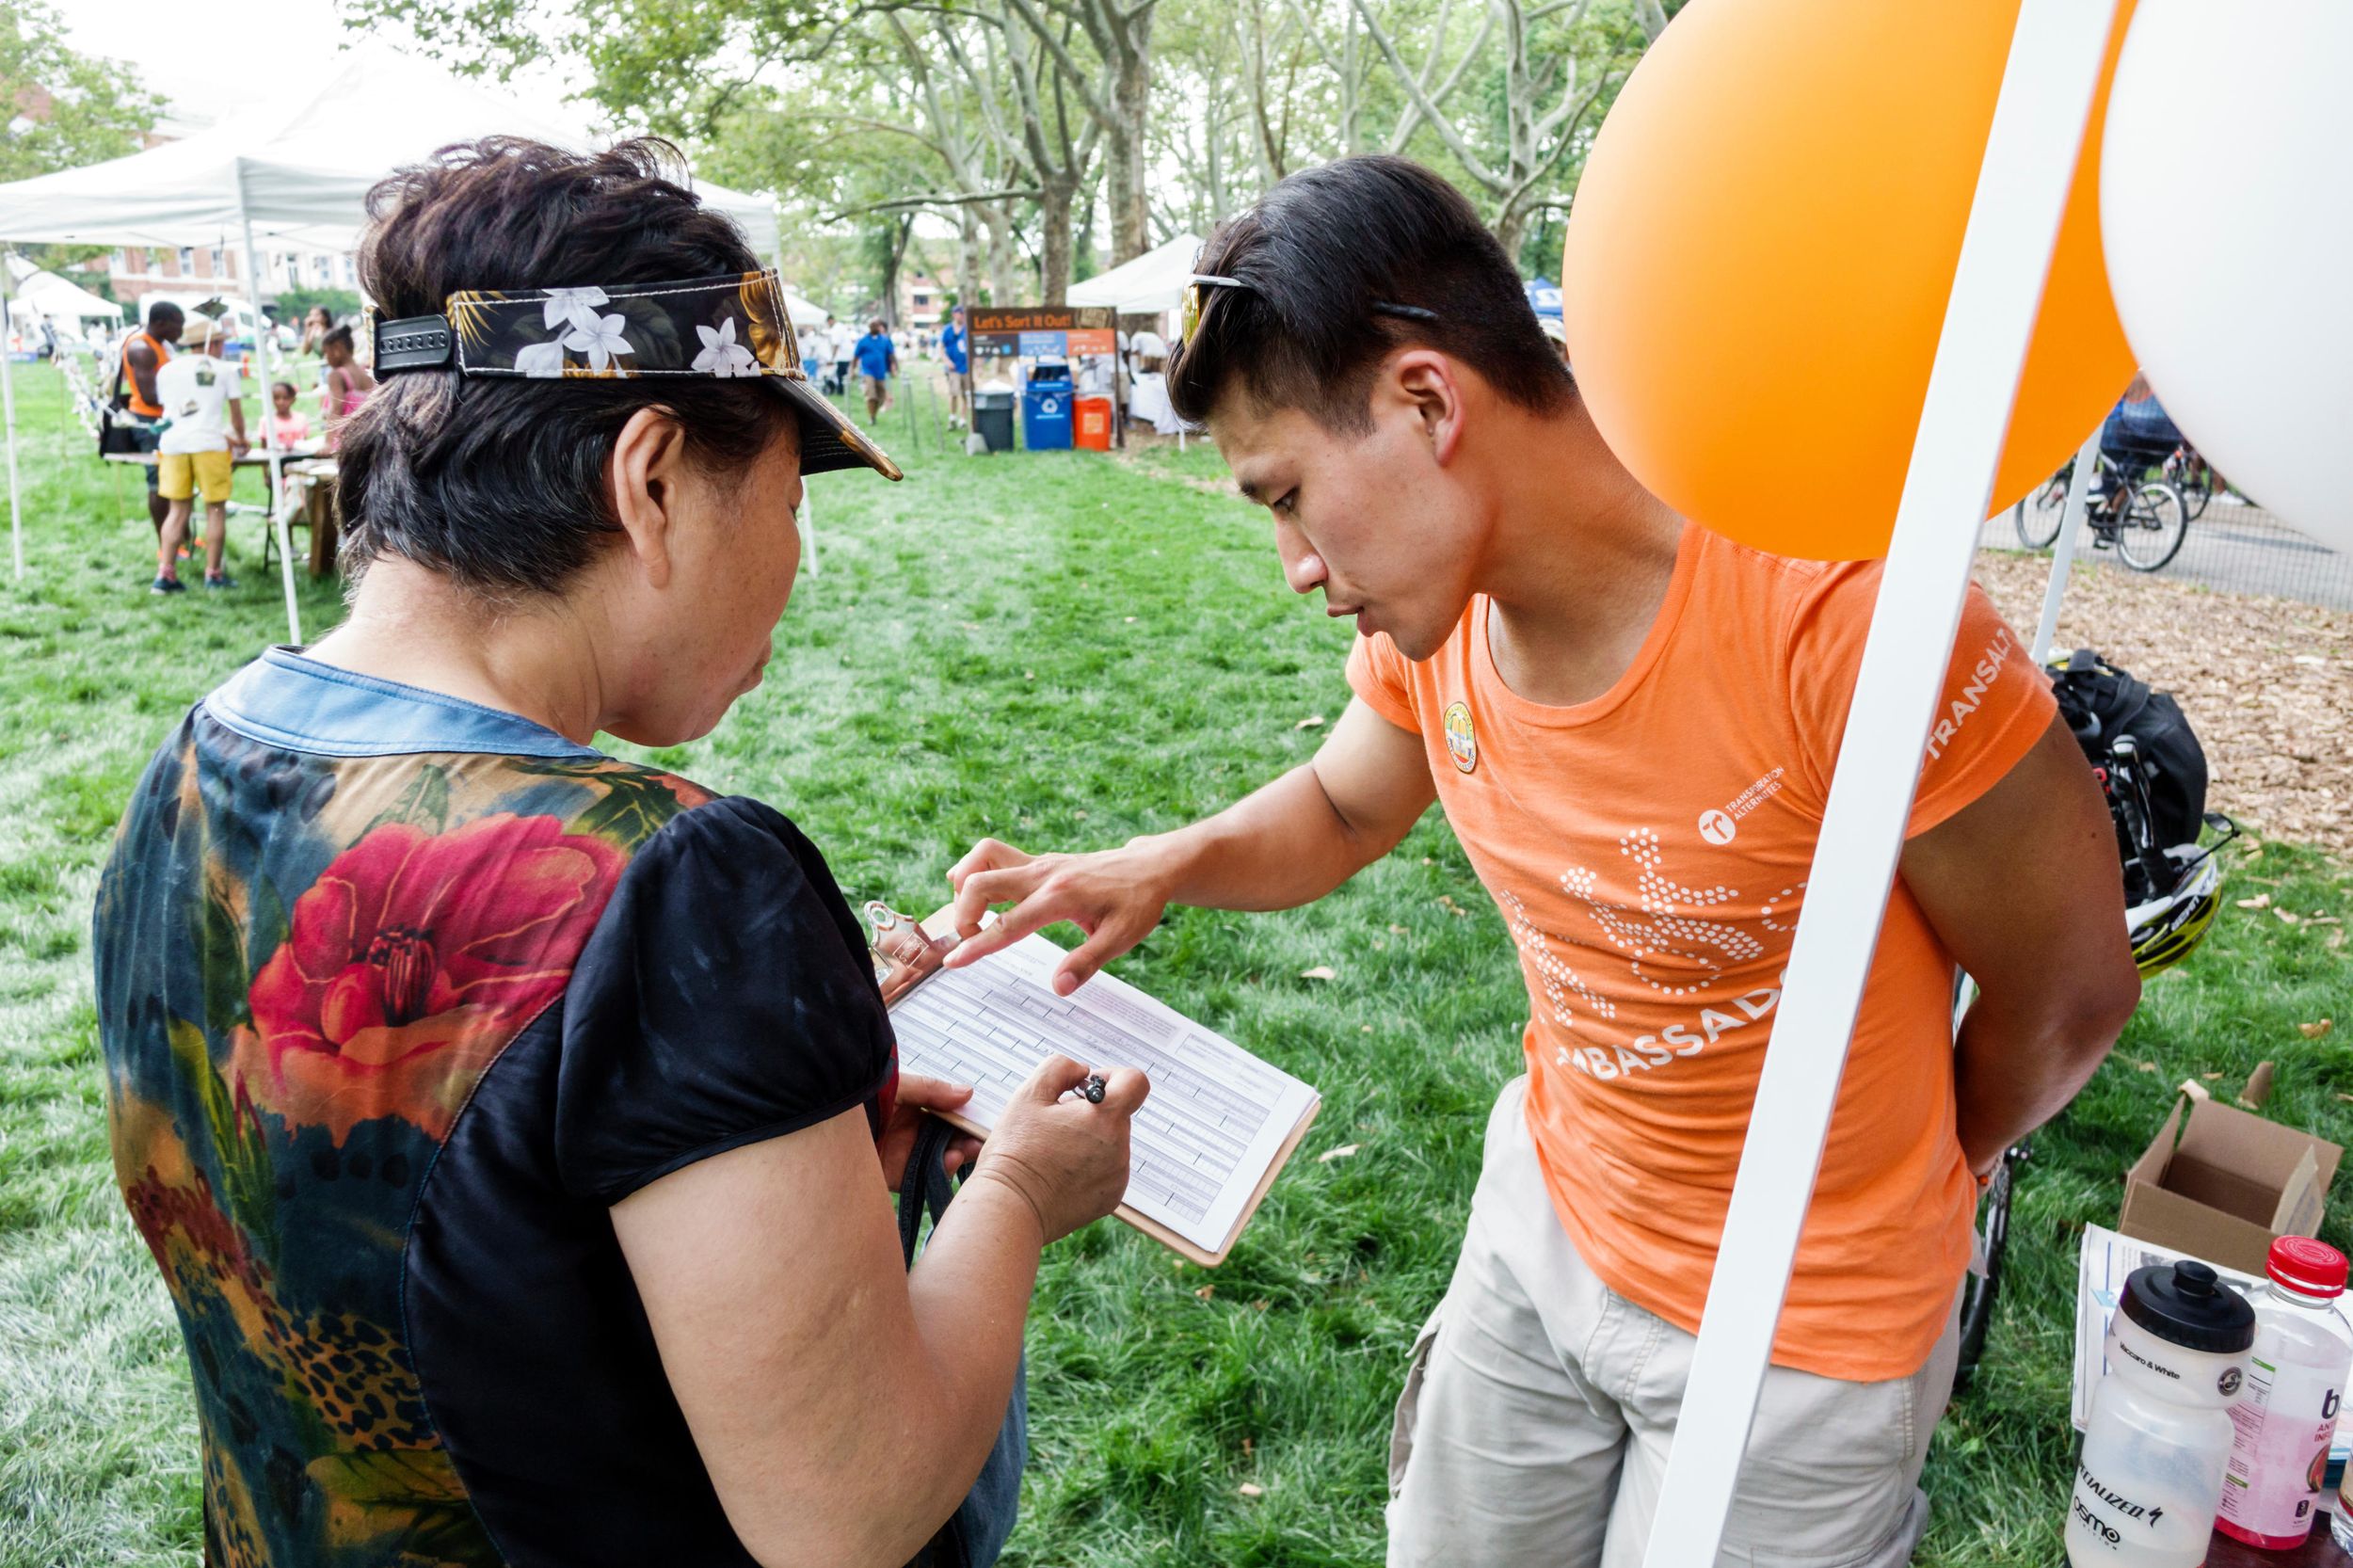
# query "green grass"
(1062, 651)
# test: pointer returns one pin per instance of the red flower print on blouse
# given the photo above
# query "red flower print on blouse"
(410, 964)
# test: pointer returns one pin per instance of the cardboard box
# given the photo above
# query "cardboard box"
(2220, 1184)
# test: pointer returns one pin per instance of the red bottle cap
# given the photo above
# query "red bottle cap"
(2302, 1264)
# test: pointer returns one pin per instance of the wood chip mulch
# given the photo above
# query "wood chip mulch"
(2267, 683)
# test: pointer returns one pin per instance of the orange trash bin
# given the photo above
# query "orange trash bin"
(1094, 423)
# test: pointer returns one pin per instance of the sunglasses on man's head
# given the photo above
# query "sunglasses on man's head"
(1197, 300)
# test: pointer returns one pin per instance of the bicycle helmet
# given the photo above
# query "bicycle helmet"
(2165, 930)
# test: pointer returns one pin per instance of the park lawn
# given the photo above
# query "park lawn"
(1062, 651)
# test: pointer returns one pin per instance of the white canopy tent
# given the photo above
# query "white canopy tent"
(45, 296)
(1153, 281)
(294, 172)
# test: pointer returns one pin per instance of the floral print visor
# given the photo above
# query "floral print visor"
(726, 327)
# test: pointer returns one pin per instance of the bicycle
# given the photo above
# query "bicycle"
(2191, 474)
(1982, 1286)
(2147, 523)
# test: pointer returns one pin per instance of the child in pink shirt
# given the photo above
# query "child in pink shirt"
(287, 428)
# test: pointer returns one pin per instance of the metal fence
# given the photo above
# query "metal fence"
(2231, 545)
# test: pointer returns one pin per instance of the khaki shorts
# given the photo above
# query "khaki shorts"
(180, 475)
(878, 387)
(1540, 1404)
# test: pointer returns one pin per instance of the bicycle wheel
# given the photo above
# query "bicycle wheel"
(2036, 518)
(2196, 487)
(1982, 1286)
(2154, 523)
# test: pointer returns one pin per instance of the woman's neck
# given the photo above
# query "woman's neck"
(411, 624)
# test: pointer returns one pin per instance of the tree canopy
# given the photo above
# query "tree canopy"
(1040, 137)
(66, 109)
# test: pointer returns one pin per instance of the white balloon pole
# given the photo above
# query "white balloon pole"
(2064, 550)
(2030, 154)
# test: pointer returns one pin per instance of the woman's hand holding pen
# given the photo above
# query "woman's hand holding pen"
(1066, 1157)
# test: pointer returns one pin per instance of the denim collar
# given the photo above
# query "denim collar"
(299, 704)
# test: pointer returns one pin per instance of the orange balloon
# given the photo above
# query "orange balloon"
(1760, 252)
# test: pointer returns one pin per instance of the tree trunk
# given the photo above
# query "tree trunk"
(1053, 212)
(968, 254)
(894, 258)
(1131, 97)
(1004, 277)
(1511, 228)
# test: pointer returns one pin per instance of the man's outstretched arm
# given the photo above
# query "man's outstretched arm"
(2024, 888)
(1288, 845)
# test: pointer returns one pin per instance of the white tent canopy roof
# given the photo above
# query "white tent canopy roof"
(1153, 281)
(33, 291)
(299, 169)
(805, 312)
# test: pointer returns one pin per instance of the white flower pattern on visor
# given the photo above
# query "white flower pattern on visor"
(722, 355)
(572, 307)
(543, 360)
(600, 338)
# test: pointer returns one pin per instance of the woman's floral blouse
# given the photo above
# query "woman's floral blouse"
(398, 995)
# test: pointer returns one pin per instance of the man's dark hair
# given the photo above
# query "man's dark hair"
(164, 315)
(501, 483)
(1317, 254)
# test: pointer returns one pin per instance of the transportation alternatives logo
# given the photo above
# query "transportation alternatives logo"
(1462, 740)
(1716, 827)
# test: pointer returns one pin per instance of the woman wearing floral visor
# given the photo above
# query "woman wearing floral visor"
(514, 1126)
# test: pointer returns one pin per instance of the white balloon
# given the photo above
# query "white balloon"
(2226, 209)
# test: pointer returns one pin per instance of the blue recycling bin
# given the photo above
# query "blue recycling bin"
(1045, 415)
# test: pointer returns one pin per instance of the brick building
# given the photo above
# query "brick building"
(136, 271)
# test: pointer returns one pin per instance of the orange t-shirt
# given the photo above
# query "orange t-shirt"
(1649, 851)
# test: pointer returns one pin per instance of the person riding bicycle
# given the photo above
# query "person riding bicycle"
(2137, 436)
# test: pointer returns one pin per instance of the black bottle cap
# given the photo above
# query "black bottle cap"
(2186, 1304)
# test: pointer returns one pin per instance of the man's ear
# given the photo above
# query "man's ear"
(1426, 379)
(643, 475)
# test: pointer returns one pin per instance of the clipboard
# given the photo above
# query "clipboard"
(905, 955)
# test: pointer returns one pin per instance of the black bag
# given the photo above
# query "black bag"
(975, 1533)
(2149, 763)
(120, 430)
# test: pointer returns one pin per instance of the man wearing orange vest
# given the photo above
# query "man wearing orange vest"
(145, 354)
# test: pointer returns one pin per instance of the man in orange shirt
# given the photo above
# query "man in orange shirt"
(1631, 723)
(144, 354)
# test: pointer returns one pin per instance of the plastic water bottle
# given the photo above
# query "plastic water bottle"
(2160, 1430)
(2288, 1409)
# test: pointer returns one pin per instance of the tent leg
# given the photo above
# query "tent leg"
(276, 507)
(2063, 554)
(808, 530)
(8, 395)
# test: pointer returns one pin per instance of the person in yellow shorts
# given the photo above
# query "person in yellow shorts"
(202, 397)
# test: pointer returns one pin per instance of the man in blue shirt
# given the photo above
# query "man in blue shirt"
(955, 346)
(878, 358)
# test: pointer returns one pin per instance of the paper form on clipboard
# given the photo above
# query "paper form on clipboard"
(1217, 1126)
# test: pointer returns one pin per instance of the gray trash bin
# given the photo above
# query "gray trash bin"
(992, 416)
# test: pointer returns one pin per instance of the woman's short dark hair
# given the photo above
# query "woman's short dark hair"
(501, 483)
(1317, 252)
